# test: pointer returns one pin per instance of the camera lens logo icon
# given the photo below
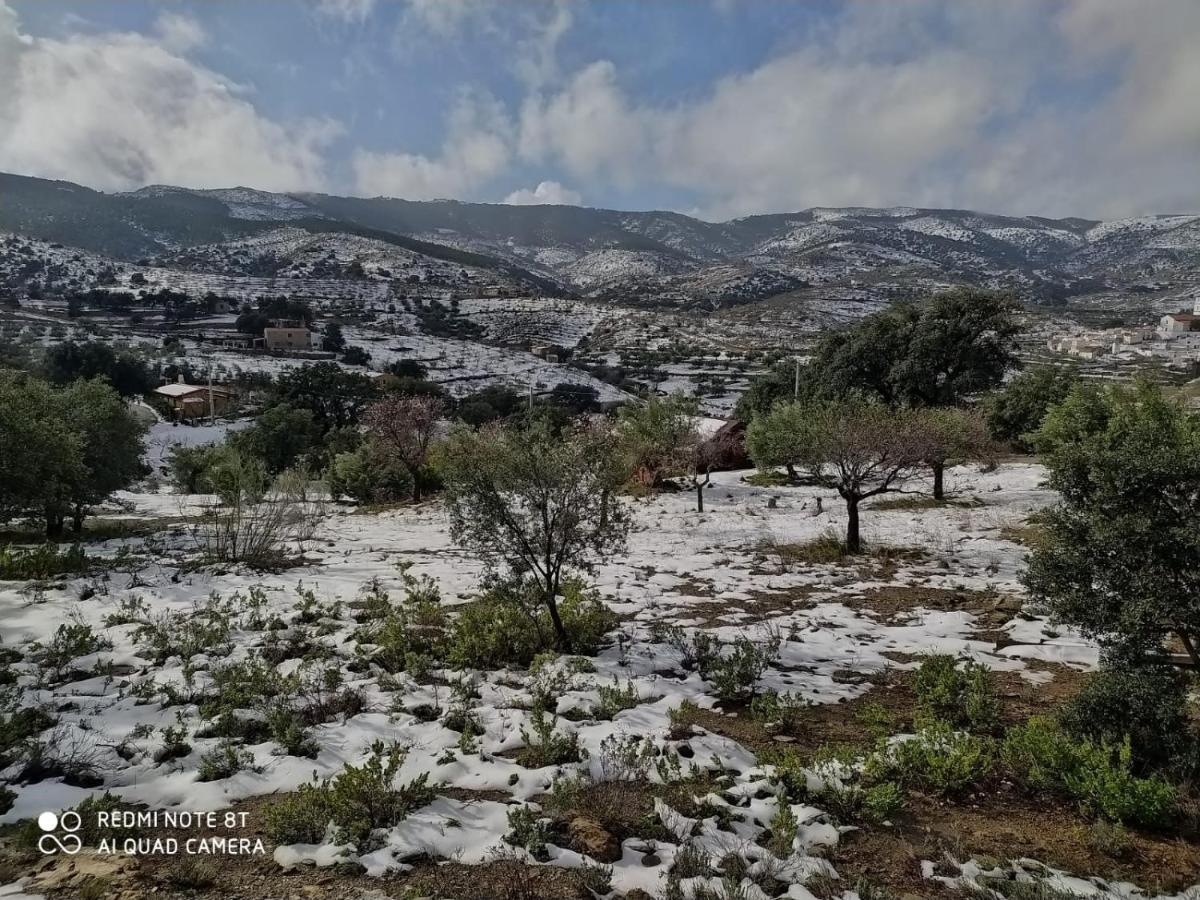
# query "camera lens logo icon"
(68, 841)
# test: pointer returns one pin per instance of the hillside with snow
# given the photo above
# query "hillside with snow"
(640, 259)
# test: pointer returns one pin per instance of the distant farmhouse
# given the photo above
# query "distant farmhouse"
(1180, 322)
(288, 336)
(189, 402)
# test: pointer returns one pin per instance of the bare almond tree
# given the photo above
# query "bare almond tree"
(404, 428)
(952, 436)
(861, 450)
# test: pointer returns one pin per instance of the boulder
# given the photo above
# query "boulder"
(590, 837)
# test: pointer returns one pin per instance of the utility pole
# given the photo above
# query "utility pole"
(212, 410)
(796, 382)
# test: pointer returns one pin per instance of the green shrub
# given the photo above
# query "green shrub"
(527, 830)
(940, 760)
(734, 674)
(407, 634)
(1097, 776)
(491, 633)
(854, 800)
(90, 832)
(547, 746)
(357, 801)
(43, 561)
(1102, 783)
(850, 789)
(783, 829)
(774, 708)
(19, 726)
(287, 729)
(881, 802)
(369, 475)
(205, 630)
(626, 757)
(510, 625)
(70, 641)
(1038, 753)
(242, 685)
(302, 817)
(959, 696)
(614, 698)
(175, 745)
(223, 761)
(584, 616)
(1149, 705)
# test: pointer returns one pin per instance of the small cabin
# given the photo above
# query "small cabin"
(189, 402)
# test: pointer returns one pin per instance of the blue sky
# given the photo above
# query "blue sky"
(713, 107)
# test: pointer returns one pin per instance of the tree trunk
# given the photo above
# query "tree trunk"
(699, 497)
(853, 542)
(939, 472)
(77, 518)
(564, 639)
(1190, 647)
(791, 473)
(54, 523)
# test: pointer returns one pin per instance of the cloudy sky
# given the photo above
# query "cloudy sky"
(717, 108)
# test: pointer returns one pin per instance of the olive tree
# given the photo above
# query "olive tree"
(662, 440)
(777, 438)
(1016, 411)
(659, 437)
(64, 450)
(1120, 556)
(533, 503)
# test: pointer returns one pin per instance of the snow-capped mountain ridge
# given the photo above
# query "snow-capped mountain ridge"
(644, 258)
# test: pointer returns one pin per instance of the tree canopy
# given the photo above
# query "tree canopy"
(1016, 411)
(934, 353)
(71, 361)
(334, 396)
(1120, 555)
(404, 428)
(858, 448)
(659, 437)
(63, 450)
(534, 503)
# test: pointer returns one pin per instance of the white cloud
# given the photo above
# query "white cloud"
(348, 10)
(533, 30)
(924, 102)
(548, 193)
(1007, 105)
(121, 110)
(179, 33)
(446, 17)
(477, 147)
(590, 127)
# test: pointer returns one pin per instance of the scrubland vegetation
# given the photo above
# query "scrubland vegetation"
(411, 636)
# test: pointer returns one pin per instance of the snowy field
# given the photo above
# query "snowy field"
(719, 570)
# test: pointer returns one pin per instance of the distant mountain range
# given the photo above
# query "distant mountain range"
(650, 258)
